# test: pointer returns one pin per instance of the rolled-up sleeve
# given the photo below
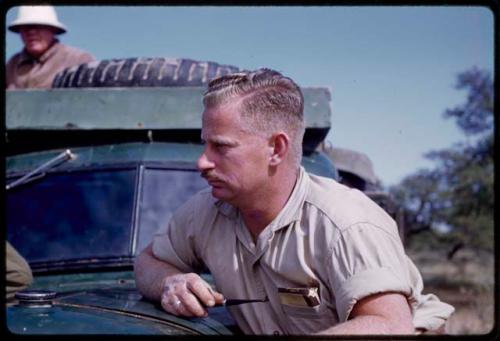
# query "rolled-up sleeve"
(175, 242)
(366, 260)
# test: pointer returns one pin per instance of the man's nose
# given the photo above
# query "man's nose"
(204, 163)
(29, 32)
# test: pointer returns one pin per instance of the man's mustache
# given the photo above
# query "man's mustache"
(211, 176)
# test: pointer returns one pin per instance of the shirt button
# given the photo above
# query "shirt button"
(252, 245)
(276, 332)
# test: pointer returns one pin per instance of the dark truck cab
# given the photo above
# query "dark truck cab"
(119, 162)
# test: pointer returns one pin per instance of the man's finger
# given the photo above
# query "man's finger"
(167, 304)
(219, 298)
(203, 292)
(183, 309)
(193, 306)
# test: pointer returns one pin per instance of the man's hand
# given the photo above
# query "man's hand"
(179, 293)
(188, 295)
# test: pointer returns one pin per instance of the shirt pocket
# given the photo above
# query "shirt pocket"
(308, 320)
(303, 312)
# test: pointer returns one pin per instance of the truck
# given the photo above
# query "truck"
(93, 168)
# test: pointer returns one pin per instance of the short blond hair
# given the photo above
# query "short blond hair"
(269, 102)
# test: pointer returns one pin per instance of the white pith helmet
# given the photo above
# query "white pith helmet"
(37, 15)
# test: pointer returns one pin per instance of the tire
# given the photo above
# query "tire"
(140, 72)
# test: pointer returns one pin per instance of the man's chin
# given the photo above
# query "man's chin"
(220, 193)
(35, 51)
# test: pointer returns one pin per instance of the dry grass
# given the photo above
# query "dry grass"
(467, 283)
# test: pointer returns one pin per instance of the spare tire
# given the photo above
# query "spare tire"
(140, 72)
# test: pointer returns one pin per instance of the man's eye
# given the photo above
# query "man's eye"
(221, 147)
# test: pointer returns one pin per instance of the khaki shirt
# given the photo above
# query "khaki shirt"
(327, 236)
(17, 272)
(24, 71)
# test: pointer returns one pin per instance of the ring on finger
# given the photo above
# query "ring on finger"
(177, 303)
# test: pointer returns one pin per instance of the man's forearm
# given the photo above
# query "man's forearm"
(368, 325)
(150, 273)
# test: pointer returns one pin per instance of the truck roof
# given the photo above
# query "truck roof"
(352, 161)
(38, 119)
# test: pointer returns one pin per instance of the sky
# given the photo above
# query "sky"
(391, 70)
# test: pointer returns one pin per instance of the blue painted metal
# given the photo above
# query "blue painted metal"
(129, 108)
(106, 303)
(156, 152)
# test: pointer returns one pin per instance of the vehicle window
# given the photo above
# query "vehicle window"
(77, 215)
(164, 190)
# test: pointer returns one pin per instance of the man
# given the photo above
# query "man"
(43, 55)
(323, 257)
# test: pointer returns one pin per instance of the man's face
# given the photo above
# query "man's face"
(234, 162)
(37, 39)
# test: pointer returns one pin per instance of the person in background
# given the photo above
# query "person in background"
(18, 274)
(320, 257)
(43, 55)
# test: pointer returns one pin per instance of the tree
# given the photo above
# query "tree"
(476, 115)
(452, 204)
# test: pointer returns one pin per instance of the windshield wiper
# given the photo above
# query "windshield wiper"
(40, 171)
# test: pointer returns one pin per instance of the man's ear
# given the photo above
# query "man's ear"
(280, 146)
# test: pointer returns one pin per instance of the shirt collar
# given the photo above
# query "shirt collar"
(292, 210)
(226, 209)
(289, 213)
(24, 57)
(50, 52)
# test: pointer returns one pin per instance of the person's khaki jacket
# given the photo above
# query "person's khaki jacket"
(17, 271)
(23, 71)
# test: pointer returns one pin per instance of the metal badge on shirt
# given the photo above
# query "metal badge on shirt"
(299, 297)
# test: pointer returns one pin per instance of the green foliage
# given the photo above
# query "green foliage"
(476, 115)
(452, 204)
